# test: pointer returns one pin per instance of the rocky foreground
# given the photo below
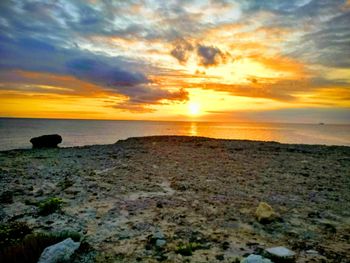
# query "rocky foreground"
(184, 199)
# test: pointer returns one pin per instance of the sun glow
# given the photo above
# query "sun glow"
(194, 108)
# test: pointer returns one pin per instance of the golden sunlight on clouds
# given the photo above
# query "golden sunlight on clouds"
(164, 60)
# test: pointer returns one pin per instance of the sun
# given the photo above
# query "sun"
(194, 108)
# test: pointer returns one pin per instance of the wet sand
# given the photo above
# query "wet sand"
(191, 190)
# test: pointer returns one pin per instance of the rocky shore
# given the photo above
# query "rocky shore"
(183, 199)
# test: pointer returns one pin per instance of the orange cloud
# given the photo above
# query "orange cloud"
(60, 84)
(299, 92)
(347, 5)
(279, 63)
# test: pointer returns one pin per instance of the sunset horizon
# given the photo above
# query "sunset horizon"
(190, 120)
(174, 131)
(227, 61)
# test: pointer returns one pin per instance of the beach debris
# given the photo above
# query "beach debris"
(46, 141)
(59, 252)
(265, 214)
(280, 254)
(255, 259)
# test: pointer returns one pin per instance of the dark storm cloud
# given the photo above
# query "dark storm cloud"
(210, 56)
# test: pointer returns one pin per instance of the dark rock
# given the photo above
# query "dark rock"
(46, 141)
(225, 245)
(6, 197)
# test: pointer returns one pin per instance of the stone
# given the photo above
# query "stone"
(280, 254)
(311, 251)
(46, 141)
(265, 214)
(158, 234)
(59, 252)
(255, 259)
(157, 239)
(160, 243)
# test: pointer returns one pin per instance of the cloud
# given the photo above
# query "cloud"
(286, 41)
(111, 74)
(207, 55)
(181, 50)
(143, 102)
(45, 39)
(102, 72)
(329, 46)
(210, 55)
(321, 34)
(30, 54)
(287, 90)
(294, 115)
(39, 82)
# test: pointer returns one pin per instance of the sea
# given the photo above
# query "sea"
(15, 133)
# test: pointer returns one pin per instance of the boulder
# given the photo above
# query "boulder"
(280, 254)
(265, 214)
(60, 252)
(46, 141)
(255, 259)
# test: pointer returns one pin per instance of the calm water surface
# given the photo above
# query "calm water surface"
(16, 133)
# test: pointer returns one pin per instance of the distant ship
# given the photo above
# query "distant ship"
(321, 123)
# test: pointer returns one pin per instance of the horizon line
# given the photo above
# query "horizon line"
(200, 121)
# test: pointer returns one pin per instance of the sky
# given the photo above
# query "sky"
(248, 60)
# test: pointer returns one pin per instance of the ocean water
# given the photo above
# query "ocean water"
(16, 133)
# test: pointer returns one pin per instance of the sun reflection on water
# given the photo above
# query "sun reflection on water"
(193, 129)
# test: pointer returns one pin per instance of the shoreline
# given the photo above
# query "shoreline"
(191, 189)
(185, 136)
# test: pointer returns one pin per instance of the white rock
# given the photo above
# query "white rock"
(280, 253)
(59, 252)
(255, 259)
